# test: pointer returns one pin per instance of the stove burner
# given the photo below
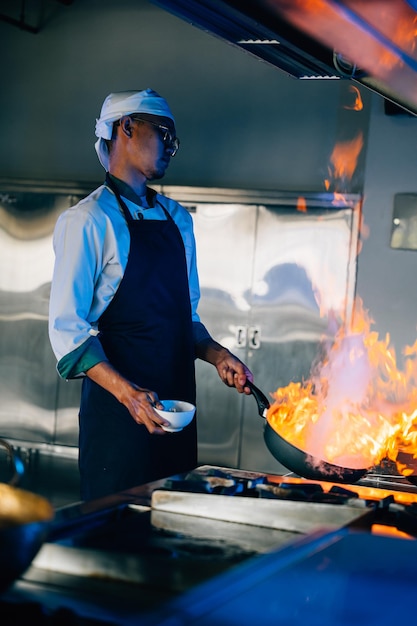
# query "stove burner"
(306, 492)
(215, 481)
(222, 483)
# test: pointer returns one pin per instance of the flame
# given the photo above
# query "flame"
(364, 492)
(382, 42)
(402, 32)
(357, 104)
(302, 205)
(339, 198)
(389, 531)
(344, 158)
(358, 407)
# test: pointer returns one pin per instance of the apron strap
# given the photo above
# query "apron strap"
(150, 194)
(120, 200)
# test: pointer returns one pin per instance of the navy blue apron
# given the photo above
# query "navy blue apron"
(146, 333)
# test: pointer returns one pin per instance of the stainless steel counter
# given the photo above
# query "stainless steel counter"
(120, 559)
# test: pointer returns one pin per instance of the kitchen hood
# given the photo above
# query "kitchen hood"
(372, 42)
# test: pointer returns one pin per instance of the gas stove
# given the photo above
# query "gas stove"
(118, 559)
(382, 501)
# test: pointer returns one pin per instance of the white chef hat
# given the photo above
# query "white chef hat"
(124, 103)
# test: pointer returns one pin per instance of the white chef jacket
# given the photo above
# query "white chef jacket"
(91, 243)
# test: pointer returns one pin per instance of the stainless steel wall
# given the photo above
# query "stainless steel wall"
(264, 266)
(37, 411)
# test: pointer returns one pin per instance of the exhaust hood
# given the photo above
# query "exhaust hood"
(372, 42)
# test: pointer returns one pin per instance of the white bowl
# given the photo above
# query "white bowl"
(178, 413)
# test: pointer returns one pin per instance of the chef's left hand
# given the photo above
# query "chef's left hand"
(233, 372)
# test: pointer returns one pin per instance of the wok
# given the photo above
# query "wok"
(24, 524)
(294, 458)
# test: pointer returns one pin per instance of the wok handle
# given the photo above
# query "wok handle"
(18, 466)
(261, 399)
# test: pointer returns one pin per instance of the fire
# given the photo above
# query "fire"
(358, 407)
(302, 205)
(389, 531)
(378, 39)
(344, 159)
(356, 104)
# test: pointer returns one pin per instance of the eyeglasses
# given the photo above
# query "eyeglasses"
(171, 142)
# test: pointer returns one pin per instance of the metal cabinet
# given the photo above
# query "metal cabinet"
(269, 275)
(225, 253)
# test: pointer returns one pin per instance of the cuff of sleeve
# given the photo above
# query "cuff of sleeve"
(77, 362)
(200, 333)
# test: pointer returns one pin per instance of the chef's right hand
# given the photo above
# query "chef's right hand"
(139, 402)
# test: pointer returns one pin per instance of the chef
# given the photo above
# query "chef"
(123, 306)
